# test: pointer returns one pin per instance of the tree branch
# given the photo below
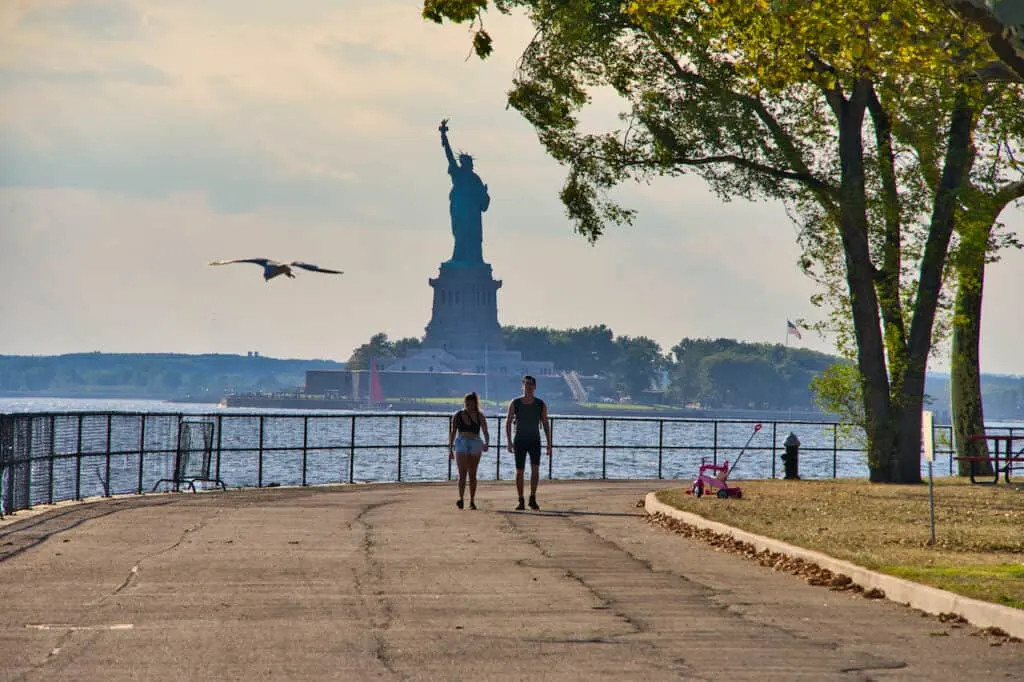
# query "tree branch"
(740, 162)
(826, 193)
(888, 279)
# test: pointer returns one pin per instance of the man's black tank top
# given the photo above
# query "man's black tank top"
(528, 419)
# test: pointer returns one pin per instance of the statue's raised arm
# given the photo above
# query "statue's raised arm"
(444, 143)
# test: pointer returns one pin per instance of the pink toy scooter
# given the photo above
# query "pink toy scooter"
(716, 476)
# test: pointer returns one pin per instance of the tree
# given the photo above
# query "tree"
(1003, 24)
(776, 104)
(637, 364)
(380, 347)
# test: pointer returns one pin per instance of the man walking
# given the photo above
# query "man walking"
(529, 413)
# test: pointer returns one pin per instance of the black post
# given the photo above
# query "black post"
(259, 464)
(775, 428)
(661, 444)
(551, 422)
(142, 447)
(497, 457)
(220, 442)
(399, 448)
(604, 448)
(714, 446)
(835, 450)
(352, 452)
(53, 455)
(110, 436)
(28, 464)
(78, 461)
(305, 443)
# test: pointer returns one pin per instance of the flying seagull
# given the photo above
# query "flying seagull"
(272, 268)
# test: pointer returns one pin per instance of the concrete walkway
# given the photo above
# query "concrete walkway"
(392, 582)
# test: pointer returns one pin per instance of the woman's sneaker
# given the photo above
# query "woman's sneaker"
(459, 504)
(521, 506)
(533, 503)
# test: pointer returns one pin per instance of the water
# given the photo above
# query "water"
(328, 447)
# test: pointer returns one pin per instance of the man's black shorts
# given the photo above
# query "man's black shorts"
(526, 447)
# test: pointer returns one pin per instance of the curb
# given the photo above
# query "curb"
(922, 597)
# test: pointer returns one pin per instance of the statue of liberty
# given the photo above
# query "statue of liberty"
(467, 201)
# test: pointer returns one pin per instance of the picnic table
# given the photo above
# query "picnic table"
(1002, 450)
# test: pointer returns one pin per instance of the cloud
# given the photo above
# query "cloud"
(103, 19)
(159, 161)
(124, 73)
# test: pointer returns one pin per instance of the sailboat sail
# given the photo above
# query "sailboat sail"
(376, 390)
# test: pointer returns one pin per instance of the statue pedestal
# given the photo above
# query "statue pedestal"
(465, 310)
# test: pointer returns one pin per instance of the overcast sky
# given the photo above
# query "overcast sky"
(141, 139)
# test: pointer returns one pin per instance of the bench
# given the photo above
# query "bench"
(1002, 453)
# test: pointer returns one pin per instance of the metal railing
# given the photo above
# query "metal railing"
(51, 457)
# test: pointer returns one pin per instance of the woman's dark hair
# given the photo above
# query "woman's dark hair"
(472, 396)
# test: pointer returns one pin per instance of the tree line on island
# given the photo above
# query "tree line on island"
(719, 373)
(709, 373)
(891, 132)
(204, 377)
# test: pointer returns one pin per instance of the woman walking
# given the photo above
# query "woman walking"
(465, 445)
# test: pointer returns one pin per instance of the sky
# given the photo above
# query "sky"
(141, 139)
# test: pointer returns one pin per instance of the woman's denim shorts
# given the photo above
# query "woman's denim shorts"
(468, 445)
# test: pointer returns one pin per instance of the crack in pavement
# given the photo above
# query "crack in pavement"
(606, 602)
(377, 606)
(133, 573)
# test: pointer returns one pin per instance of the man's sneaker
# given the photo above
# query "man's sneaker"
(459, 503)
(520, 506)
(533, 503)
(472, 505)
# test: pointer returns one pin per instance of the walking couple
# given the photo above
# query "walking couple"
(465, 445)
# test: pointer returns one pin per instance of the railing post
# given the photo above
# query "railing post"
(177, 453)
(661, 445)
(259, 466)
(78, 461)
(775, 427)
(305, 442)
(352, 452)
(497, 457)
(110, 440)
(399, 448)
(142, 447)
(551, 423)
(28, 463)
(220, 441)
(714, 445)
(604, 448)
(835, 450)
(53, 455)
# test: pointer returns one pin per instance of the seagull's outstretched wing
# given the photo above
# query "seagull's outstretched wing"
(258, 261)
(315, 268)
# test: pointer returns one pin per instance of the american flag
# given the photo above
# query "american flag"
(791, 329)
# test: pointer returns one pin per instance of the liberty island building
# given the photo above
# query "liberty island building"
(463, 349)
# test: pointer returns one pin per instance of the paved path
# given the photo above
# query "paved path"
(392, 582)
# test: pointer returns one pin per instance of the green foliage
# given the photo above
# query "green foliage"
(837, 391)
(867, 118)
(381, 348)
(726, 373)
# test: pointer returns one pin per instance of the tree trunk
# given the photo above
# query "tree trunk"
(853, 228)
(965, 373)
(910, 400)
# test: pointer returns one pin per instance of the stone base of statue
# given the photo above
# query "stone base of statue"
(465, 311)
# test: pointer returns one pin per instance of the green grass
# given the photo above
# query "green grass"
(624, 406)
(979, 530)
